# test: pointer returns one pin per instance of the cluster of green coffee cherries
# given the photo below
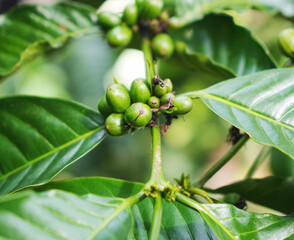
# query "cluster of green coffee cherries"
(126, 110)
(143, 16)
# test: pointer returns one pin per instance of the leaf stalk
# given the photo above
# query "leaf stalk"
(224, 160)
(265, 151)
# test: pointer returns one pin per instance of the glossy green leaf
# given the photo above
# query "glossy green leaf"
(29, 30)
(39, 137)
(273, 192)
(261, 104)
(191, 10)
(199, 62)
(57, 214)
(101, 186)
(229, 222)
(178, 221)
(218, 46)
(243, 225)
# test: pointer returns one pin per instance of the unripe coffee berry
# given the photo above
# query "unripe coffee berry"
(115, 124)
(286, 39)
(163, 45)
(108, 20)
(182, 105)
(150, 9)
(159, 90)
(154, 102)
(169, 85)
(139, 91)
(138, 115)
(103, 107)
(118, 97)
(167, 98)
(131, 15)
(119, 36)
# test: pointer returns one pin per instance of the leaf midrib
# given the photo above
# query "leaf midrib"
(204, 211)
(51, 152)
(127, 203)
(203, 94)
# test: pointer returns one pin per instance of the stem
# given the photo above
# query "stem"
(157, 178)
(225, 159)
(258, 161)
(149, 65)
(156, 219)
(189, 202)
(200, 192)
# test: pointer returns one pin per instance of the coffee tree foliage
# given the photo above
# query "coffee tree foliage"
(250, 87)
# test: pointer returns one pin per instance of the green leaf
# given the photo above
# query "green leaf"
(229, 222)
(261, 104)
(273, 192)
(244, 225)
(101, 186)
(57, 214)
(39, 137)
(220, 47)
(178, 221)
(281, 164)
(29, 30)
(192, 10)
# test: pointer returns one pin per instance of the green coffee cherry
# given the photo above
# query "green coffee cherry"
(131, 15)
(286, 39)
(150, 9)
(118, 97)
(138, 115)
(119, 36)
(108, 19)
(163, 45)
(167, 98)
(159, 90)
(182, 105)
(139, 91)
(154, 102)
(115, 124)
(103, 107)
(164, 16)
(169, 85)
(174, 23)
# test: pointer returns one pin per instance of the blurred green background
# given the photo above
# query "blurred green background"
(82, 69)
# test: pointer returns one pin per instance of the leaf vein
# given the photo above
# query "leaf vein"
(81, 137)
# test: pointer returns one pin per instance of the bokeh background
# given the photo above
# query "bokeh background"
(82, 69)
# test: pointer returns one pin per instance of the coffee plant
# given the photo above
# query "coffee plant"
(39, 136)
